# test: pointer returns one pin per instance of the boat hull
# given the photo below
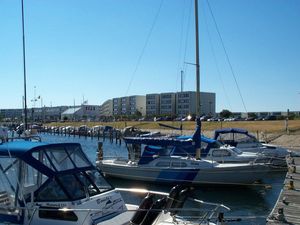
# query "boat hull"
(224, 175)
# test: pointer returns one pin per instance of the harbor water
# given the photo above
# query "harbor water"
(251, 204)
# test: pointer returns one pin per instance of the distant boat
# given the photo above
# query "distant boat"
(241, 139)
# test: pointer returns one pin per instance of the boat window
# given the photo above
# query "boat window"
(99, 181)
(8, 180)
(179, 164)
(59, 157)
(221, 153)
(216, 144)
(52, 191)
(77, 156)
(163, 164)
(31, 176)
(55, 214)
(87, 180)
(203, 145)
(73, 186)
(237, 150)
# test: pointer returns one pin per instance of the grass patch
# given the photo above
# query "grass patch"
(253, 126)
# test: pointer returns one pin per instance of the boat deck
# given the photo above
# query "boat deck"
(287, 207)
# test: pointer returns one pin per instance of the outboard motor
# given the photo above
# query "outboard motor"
(179, 201)
(155, 210)
(173, 195)
(144, 206)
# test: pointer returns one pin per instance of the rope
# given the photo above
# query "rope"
(215, 59)
(226, 54)
(144, 47)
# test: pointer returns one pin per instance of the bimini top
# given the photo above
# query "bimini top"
(230, 130)
(19, 148)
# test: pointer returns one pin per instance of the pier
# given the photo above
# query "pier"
(287, 207)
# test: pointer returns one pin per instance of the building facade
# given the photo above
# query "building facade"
(129, 105)
(116, 106)
(168, 104)
(106, 109)
(152, 104)
(83, 112)
(185, 103)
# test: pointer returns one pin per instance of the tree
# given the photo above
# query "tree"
(138, 113)
(252, 115)
(225, 113)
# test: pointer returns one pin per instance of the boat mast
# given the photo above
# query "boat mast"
(198, 129)
(24, 70)
(197, 62)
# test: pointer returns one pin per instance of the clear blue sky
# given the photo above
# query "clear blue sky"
(100, 49)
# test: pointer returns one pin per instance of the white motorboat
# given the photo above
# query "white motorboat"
(217, 151)
(246, 142)
(56, 184)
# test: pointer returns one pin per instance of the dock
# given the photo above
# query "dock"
(287, 207)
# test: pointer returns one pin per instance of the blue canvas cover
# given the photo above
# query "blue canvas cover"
(231, 130)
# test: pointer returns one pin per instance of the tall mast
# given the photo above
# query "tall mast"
(197, 61)
(197, 134)
(24, 70)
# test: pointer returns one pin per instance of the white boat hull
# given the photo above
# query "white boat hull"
(221, 174)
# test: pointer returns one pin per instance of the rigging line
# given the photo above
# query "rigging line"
(180, 46)
(215, 58)
(226, 54)
(144, 47)
(186, 38)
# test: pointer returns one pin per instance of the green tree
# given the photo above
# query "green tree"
(225, 113)
(252, 115)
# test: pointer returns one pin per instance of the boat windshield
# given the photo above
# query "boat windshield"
(235, 138)
(75, 186)
(8, 181)
(61, 158)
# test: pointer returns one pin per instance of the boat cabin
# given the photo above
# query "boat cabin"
(39, 179)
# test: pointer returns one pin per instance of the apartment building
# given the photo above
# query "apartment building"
(106, 109)
(168, 103)
(129, 105)
(116, 106)
(185, 103)
(152, 104)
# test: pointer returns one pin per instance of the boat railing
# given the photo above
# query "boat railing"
(277, 162)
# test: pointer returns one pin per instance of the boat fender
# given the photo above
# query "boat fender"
(143, 209)
(179, 201)
(154, 211)
(173, 195)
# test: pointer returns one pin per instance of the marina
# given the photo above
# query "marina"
(252, 204)
(55, 168)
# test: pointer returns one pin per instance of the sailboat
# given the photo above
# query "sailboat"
(157, 163)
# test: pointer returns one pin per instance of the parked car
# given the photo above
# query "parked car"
(270, 118)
